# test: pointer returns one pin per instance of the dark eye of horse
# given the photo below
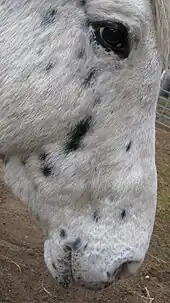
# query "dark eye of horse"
(113, 37)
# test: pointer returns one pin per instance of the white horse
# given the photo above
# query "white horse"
(79, 82)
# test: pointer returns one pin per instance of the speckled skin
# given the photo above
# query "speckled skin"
(96, 204)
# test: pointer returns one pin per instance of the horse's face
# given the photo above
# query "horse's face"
(80, 80)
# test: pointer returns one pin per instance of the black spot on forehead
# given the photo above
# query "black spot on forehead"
(77, 134)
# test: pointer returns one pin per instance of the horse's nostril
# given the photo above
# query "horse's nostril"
(126, 270)
(108, 274)
(122, 268)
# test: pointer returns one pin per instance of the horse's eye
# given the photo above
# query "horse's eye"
(113, 37)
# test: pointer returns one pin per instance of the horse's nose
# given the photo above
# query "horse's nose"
(97, 280)
(126, 270)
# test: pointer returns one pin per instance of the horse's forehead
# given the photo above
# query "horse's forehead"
(131, 7)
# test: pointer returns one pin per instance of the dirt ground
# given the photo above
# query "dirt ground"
(23, 275)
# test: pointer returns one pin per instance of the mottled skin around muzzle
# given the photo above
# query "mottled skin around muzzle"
(79, 84)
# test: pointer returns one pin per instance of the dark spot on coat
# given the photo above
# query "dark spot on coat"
(54, 266)
(67, 262)
(85, 246)
(49, 17)
(46, 170)
(89, 77)
(81, 53)
(49, 66)
(63, 233)
(67, 249)
(128, 146)
(96, 216)
(83, 2)
(62, 262)
(77, 135)
(43, 156)
(123, 213)
(76, 244)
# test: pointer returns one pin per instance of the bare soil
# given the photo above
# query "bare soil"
(24, 277)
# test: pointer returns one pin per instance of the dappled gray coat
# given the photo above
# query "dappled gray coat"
(79, 81)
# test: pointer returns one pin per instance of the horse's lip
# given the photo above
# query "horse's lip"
(67, 277)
